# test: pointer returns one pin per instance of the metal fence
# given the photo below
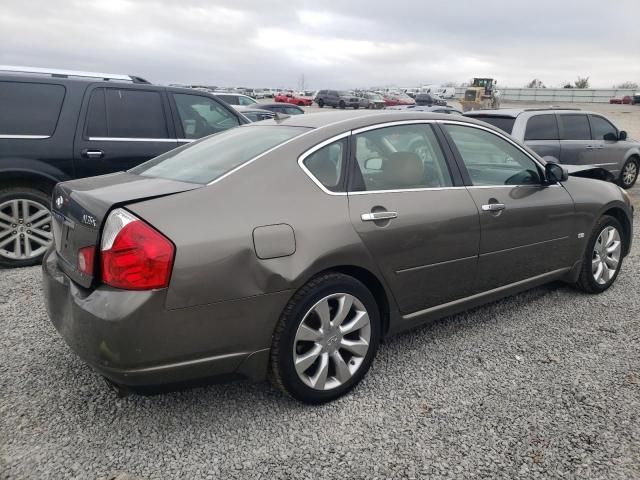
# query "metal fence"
(564, 95)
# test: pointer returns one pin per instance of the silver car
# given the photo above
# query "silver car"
(289, 248)
(573, 137)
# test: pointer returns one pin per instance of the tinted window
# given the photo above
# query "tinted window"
(401, 157)
(205, 160)
(230, 99)
(542, 127)
(503, 123)
(292, 111)
(601, 127)
(135, 114)
(246, 101)
(29, 108)
(201, 116)
(491, 160)
(574, 127)
(97, 115)
(326, 165)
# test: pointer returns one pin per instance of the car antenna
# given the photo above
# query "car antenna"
(280, 116)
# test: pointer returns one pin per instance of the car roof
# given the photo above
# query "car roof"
(344, 120)
(514, 112)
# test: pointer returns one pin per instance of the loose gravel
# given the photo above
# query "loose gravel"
(545, 384)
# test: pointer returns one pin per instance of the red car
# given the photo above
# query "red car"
(626, 100)
(391, 100)
(290, 97)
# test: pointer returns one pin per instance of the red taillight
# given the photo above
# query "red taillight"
(86, 260)
(134, 255)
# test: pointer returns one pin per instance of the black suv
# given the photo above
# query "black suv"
(58, 125)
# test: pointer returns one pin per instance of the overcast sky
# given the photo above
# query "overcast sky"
(334, 43)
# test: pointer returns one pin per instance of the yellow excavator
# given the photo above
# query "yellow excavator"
(481, 95)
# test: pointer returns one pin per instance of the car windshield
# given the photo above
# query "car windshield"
(210, 158)
(503, 123)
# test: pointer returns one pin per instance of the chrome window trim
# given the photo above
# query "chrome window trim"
(425, 189)
(131, 139)
(313, 150)
(266, 152)
(24, 137)
(391, 124)
(188, 140)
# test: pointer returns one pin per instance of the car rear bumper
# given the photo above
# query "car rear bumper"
(132, 339)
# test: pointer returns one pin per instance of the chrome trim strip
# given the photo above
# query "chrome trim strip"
(425, 189)
(24, 137)
(419, 313)
(127, 139)
(314, 149)
(474, 187)
(390, 124)
(446, 262)
(250, 161)
(494, 252)
(187, 140)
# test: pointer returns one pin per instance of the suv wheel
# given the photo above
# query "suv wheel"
(342, 104)
(629, 173)
(321, 103)
(325, 340)
(603, 256)
(25, 226)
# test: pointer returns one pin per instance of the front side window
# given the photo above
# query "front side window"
(601, 128)
(491, 160)
(399, 158)
(29, 108)
(210, 158)
(574, 127)
(134, 114)
(201, 116)
(326, 165)
(542, 127)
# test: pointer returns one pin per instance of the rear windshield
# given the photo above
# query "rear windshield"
(211, 157)
(503, 123)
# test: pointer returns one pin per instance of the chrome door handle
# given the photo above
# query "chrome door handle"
(589, 147)
(92, 153)
(493, 207)
(377, 216)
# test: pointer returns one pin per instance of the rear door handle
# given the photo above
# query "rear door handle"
(89, 153)
(589, 147)
(377, 216)
(493, 207)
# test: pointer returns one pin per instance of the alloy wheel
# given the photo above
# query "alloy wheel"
(25, 229)
(629, 173)
(332, 341)
(606, 255)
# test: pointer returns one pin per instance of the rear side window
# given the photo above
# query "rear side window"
(542, 127)
(326, 165)
(503, 123)
(135, 114)
(600, 127)
(29, 108)
(574, 127)
(205, 160)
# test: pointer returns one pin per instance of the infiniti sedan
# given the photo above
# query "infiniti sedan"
(288, 248)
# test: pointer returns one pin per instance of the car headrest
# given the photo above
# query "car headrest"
(402, 169)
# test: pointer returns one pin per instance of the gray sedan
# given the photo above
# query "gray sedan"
(289, 248)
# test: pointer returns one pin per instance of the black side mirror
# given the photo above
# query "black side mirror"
(622, 135)
(555, 173)
(610, 137)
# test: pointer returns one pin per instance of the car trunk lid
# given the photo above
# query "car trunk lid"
(80, 208)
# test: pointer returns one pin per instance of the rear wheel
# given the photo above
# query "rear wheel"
(320, 103)
(629, 173)
(342, 104)
(25, 226)
(325, 340)
(603, 257)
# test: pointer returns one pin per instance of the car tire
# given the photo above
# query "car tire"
(629, 173)
(321, 103)
(326, 368)
(356, 107)
(598, 274)
(29, 244)
(342, 105)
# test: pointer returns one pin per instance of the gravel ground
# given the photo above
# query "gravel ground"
(542, 385)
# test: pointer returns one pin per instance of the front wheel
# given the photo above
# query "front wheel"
(325, 340)
(320, 103)
(629, 173)
(25, 226)
(603, 256)
(342, 105)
